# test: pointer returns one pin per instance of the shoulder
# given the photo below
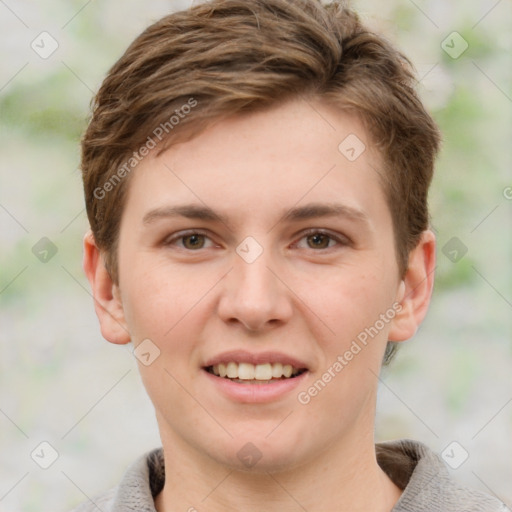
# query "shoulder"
(141, 482)
(426, 483)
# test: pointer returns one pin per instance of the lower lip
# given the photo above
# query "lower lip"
(256, 393)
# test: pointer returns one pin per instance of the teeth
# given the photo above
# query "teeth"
(248, 371)
(232, 370)
(277, 370)
(263, 371)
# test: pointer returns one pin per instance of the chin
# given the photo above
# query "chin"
(257, 454)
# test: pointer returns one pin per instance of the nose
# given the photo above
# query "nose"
(255, 295)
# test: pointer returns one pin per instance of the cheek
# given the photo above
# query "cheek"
(347, 300)
(153, 300)
(166, 304)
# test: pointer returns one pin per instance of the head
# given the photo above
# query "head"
(245, 107)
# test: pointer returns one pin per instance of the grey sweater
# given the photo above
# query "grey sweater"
(417, 470)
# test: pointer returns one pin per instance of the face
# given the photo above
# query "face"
(258, 249)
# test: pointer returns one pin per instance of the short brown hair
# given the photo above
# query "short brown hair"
(228, 57)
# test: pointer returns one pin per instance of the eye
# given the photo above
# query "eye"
(316, 239)
(195, 241)
(192, 241)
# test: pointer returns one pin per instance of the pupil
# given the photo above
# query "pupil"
(193, 241)
(319, 240)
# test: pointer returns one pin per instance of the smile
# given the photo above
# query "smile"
(247, 373)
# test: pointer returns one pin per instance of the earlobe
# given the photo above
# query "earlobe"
(415, 292)
(107, 300)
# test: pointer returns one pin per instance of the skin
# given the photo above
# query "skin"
(295, 298)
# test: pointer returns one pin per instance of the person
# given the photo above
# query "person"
(256, 175)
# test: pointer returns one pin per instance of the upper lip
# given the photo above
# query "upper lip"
(243, 356)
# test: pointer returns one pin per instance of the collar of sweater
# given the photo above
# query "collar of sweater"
(413, 467)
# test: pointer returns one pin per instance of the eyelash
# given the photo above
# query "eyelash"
(340, 240)
(182, 235)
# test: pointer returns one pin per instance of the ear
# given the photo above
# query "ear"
(107, 301)
(416, 289)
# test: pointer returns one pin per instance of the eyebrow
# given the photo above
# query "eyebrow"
(314, 210)
(190, 211)
(298, 213)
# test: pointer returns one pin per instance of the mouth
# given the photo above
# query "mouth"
(255, 378)
(248, 373)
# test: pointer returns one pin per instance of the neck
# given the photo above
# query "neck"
(339, 479)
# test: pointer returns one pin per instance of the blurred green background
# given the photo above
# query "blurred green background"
(61, 383)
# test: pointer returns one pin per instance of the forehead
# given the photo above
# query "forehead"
(298, 152)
